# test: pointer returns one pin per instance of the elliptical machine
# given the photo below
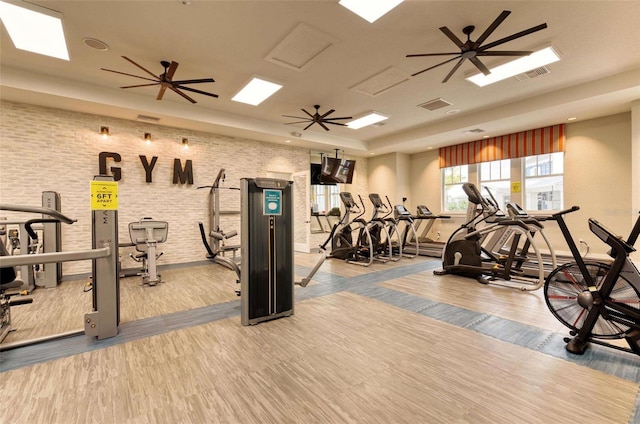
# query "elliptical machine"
(465, 255)
(341, 238)
(383, 229)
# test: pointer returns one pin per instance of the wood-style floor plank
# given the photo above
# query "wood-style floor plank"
(342, 358)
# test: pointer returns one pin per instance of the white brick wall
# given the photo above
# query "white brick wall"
(49, 149)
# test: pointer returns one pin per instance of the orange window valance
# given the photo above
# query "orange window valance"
(526, 143)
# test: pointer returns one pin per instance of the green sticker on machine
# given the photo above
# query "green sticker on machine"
(272, 202)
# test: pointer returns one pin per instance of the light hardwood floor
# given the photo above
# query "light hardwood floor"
(346, 356)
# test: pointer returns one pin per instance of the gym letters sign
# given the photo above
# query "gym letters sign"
(181, 175)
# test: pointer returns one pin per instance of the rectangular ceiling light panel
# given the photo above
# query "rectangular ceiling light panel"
(524, 64)
(256, 91)
(35, 29)
(370, 10)
(366, 120)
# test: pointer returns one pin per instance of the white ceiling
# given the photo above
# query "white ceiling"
(599, 73)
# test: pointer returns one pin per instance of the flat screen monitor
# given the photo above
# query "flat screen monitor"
(316, 175)
(336, 170)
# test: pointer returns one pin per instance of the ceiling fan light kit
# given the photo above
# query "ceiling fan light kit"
(472, 50)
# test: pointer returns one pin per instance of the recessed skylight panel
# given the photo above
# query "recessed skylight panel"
(35, 29)
(256, 91)
(524, 64)
(370, 10)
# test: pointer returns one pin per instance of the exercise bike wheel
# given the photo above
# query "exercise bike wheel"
(565, 283)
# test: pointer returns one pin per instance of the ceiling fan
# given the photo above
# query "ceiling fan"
(316, 118)
(473, 49)
(165, 80)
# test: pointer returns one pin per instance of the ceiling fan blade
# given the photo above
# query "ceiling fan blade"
(505, 53)
(172, 70)
(327, 113)
(431, 54)
(514, 36)
(335, 123)
(435, 66)
(452, 36)
(134, 63)
(193, 90)
(163, 88)
(487, 32)
(480, 65)
(129, 75)
(172, 88)
(310, 115)
(194, 81)
(344, 117)
(312, 122)
(296, 117)
(323, 126)
(297, 122)
(455, 68)
(141, 85)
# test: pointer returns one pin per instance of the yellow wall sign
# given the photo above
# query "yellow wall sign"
(516, 187)
(104, 195)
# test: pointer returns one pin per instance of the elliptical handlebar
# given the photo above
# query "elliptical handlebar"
(563, 212)
(390, 206)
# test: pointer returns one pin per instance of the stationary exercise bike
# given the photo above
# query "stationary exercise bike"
(598, 301)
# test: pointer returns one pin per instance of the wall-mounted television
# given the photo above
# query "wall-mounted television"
(336, 170)
(316, 175)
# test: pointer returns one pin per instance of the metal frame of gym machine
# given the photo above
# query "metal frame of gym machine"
(50, 274)
(104, 320)
(215, 253)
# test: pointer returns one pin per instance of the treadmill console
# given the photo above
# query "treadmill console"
(401, 211)
(424, 211)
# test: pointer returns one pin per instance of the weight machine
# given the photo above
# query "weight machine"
(104, 320)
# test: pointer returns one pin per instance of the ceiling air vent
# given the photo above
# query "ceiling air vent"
(145, 118)
(435, 104)
(534, 73)
(475, 131)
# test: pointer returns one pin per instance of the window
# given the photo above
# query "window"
(496, 176)
(455, 200)
(325, 197)
(543, 180)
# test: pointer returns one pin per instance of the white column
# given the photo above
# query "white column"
(635, 168)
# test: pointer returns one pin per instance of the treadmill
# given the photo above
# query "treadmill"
(425, 245)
